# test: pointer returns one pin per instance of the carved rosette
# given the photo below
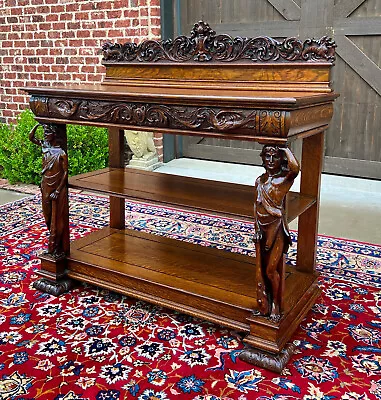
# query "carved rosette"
(204, 45)
(246, 121)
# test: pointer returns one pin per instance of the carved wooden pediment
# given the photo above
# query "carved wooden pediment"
(205, 45)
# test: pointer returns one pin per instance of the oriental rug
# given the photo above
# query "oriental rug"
(95, 344)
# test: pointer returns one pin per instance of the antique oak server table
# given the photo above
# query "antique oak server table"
(255, 89)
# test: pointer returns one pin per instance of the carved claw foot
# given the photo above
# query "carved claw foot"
(52, 287)
(269, 361)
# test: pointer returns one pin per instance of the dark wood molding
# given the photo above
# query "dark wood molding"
(52, 287)
(270, 361)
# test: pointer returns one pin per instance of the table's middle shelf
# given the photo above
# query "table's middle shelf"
(229, 199)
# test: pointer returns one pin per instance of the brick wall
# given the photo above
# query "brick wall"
(55, 42)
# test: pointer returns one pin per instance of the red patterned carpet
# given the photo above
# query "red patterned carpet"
(94, 344)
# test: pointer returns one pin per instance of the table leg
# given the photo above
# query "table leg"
(312, 157)
(116, 160)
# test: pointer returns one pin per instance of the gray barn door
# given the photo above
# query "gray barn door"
(353, 141)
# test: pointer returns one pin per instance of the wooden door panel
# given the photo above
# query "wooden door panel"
(353, 143)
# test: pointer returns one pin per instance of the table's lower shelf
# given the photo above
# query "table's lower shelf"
(209, 283)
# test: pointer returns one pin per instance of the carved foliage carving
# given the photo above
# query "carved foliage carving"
(205, 45)
(258, 122)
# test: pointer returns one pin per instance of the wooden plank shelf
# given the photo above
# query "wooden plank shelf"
(229, 199)
(160, 270)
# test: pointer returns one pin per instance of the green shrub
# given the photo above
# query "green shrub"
(21, 160)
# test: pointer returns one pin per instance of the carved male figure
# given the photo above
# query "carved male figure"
(53, 185)
(271, 229)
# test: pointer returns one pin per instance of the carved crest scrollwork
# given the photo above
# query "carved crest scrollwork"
(204, 45)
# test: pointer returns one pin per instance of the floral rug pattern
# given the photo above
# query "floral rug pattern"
(96, 344)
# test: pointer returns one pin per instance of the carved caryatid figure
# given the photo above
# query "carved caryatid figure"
(53, 186)
(271, 230)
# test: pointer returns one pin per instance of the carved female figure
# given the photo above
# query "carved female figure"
(53, 185)
(271, 230)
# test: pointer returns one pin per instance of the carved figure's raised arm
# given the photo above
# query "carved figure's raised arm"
(32, 136)
(292, 162)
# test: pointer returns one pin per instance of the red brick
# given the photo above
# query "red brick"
(17, 11)
(81, 16)
(30, 68)
(39, 35)
(155, 11)
(12, 105)
(83, 33)
(50, 77)
(52, 17)
(114, 14)
(38, 18)
(7, 43)
(68, 34)
(47, 60)
(131, 13)
(58, 26)
(88, 68)
(57, 9)
(107, 5)
(14, 36)
(46, 26)
(66, 17)
(94, 78)
(72, 7)
(10, 75)
(156, 32)
(86, 51)
(77, 60)
(55, 51)
(115, 33)
(64, 77)
(12, 20)
(46, 43)
(75, 43)
(88, 6)
(43, 68)
(72, 68)
(43, 10)
(26, 35)
(155, 21)
(54, 34)
(99, 34)
(70, 51)
(42, 51)
(91, 43)
(36, 76)
(98, 15)
(73, 25)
